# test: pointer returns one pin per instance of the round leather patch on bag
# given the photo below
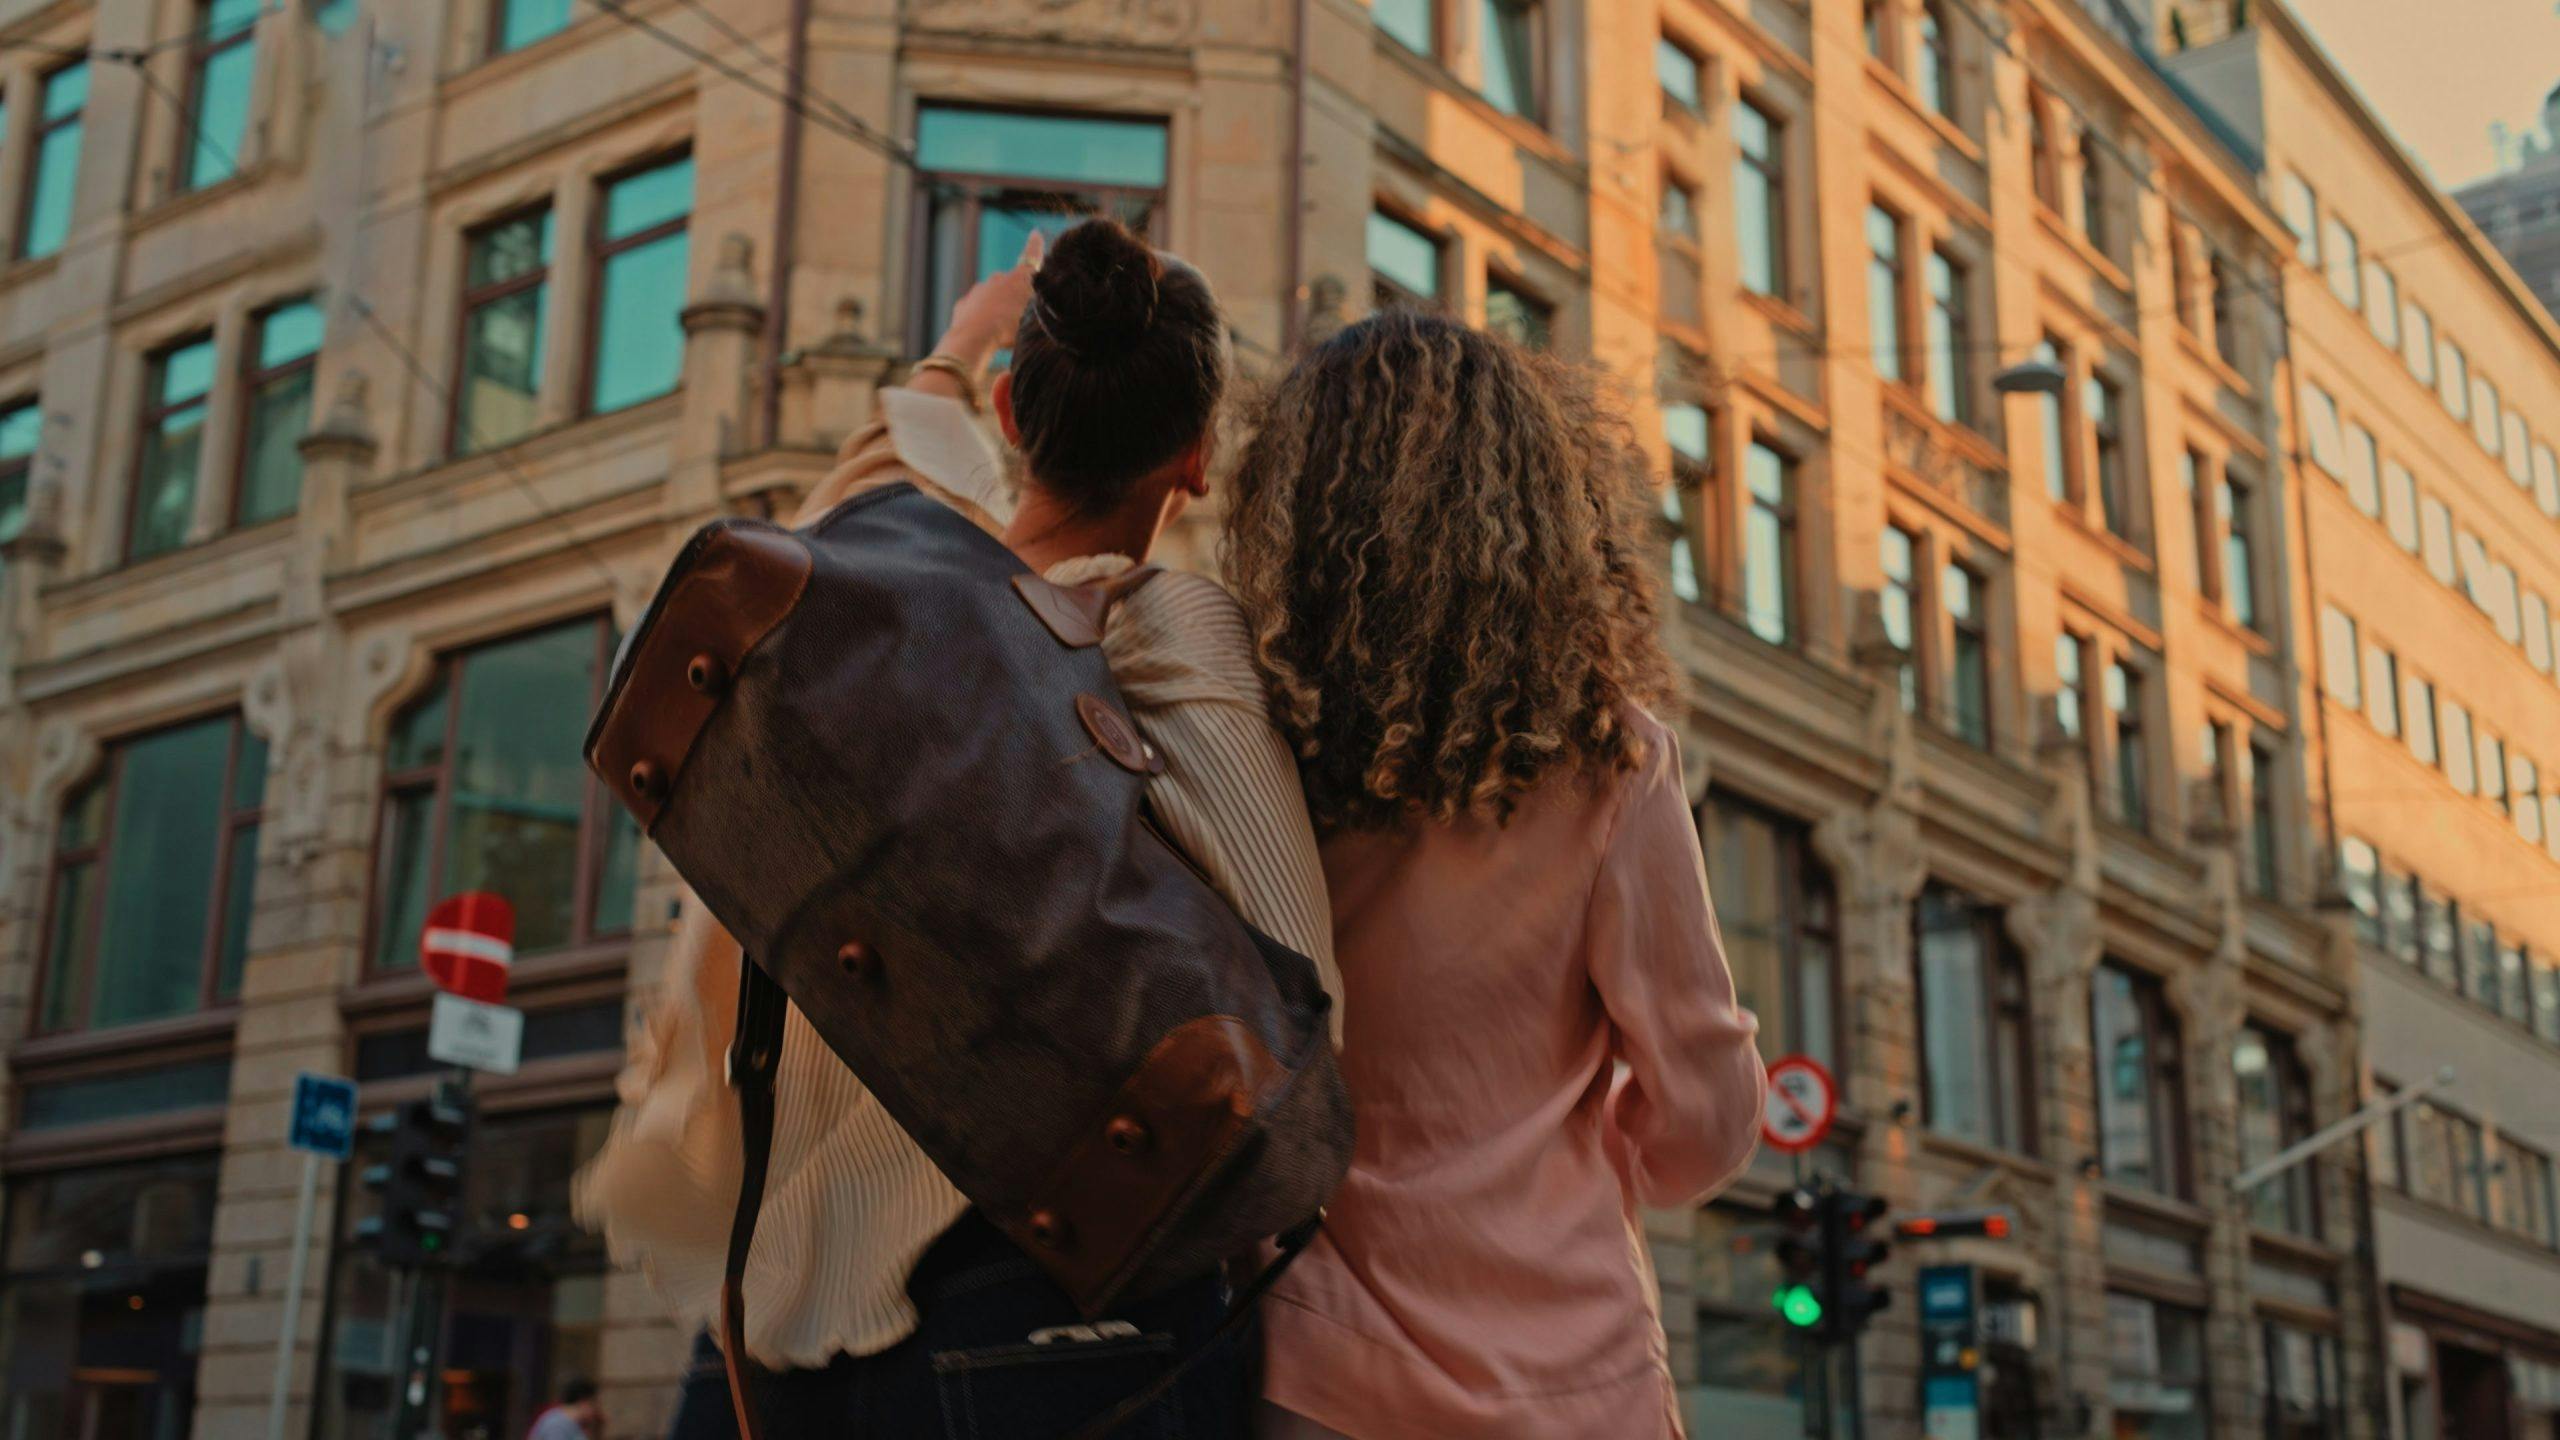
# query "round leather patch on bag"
(1118, 737)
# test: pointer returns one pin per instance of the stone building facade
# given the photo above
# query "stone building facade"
(361, 365)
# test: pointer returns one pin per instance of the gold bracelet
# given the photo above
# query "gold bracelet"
(962, 373)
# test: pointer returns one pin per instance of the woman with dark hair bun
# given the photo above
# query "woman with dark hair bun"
(1435, 537)
(879, 1303)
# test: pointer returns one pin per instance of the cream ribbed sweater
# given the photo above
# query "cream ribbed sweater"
(850, 1202)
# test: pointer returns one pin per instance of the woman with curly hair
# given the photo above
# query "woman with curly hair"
(1434, 538)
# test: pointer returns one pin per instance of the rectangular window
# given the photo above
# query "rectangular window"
(2382, 689)
(2360, 880)
(2056, 432)
(987, 179)
(2383, 315)
(2400, 933)
(2444, 1159)
(1769, 543)
(2320, 431)
(1409, 23)
(506, 287)
(2435, 524)
(2226, 316)
(154, 868)
(2480, 962)
(2400, 505)
(1899, 601)
(1884, 292)
(21, 432)
(222, 60)
(2141, 1081)
(1934, 64)
(2419, 718)
(1686, 428)
(1877, 30)
(53, 171)
(2275, 1114)
(484, 789)
(1512, 311)
(1404, 263)
(2338, 657)
(1950, 340)
(2439, 939)
(2265, 858)
(177, 382)
(1678, 72)
(1780, 924)
(2302, 1389)
(2364, 471)
(2420, 351)
(1678, 215)
(284, 354)
(2070, 692)
(2239, 553)
(2458, 754)
(2044, 167)
(2124, 708)
(2105, 402)
(2155, 1369)
(2346, 265)
(519, 23)
(2513, 1002)
(1760, 198)
(2526, 1201)
(2096, 222)
(2493, 770)
(641, 248)
(2302, 217)
(2193, 467)
(2526, 787)
(2546, 993)
(1975, 1031)
(1968, 655)
(1512, 34)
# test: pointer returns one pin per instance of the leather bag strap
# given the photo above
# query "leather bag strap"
(755, 1051)
(1293, 1243)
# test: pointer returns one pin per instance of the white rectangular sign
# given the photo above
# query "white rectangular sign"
(476, 1036)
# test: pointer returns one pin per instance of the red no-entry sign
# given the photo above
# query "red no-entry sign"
(469, 945)
(1801, 1104)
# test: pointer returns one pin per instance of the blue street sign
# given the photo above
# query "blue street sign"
(324, 1115)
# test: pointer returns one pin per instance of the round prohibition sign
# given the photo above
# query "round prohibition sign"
(1801, 1104)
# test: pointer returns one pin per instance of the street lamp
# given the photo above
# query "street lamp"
(2030, 377)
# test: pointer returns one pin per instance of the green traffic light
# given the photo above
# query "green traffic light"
(1798, 1305)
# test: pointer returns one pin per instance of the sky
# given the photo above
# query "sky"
(2440, 72)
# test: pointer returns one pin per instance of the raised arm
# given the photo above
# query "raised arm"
(1684, 1114)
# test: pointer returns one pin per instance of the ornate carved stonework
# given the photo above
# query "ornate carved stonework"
(1137, 22)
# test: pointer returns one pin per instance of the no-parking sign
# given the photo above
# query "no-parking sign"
(1801, 1105)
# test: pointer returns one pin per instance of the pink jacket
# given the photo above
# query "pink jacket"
(1542, 1035)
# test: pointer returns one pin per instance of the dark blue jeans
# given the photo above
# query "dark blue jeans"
(971, 1371)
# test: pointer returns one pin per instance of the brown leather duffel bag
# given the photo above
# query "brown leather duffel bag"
(892, 762)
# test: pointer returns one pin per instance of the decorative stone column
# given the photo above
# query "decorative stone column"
(721, 327)
(2212, 1006)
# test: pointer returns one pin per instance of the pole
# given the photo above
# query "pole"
(2302, 1150)
(295, 1274)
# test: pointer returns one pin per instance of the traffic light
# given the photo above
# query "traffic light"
(420, 1182)
(1852, 1245)
(1799, 1260)
(1956, 1225)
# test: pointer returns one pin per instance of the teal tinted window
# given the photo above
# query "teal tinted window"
(1403, 256)
(164, 492)
(1510, 39)
(521, 22)
(225, 60)
(639, 341)
(53, 171)
(1759, 198)
(129, 1095)
(510, 808)
(1511, 311)
(21, 428)
(1678, 72)
(506, 274)
(1075, 149)
(279, 411)
(1407, 22)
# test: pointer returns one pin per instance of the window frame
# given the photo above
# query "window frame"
(1771, 170)
(600, 254)
(497, 17)
(1384, 289)
(201, 53)
(233, 818)
(1891, 269)
(45, 128)
(254, 380)
(469, 300)
(2164, 1081)
(2009, 997)
(2296, 1120)
(1973, 624)
(1541, 39)
(446, 677)
(156, 409)
(1807, 910)
(1784, 514)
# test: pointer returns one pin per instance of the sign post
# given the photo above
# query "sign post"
(1950, 1354)
(324, 1123)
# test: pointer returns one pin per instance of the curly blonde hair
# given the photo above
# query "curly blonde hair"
(1434, 535)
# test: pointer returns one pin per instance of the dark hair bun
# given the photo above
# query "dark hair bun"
(1097, 292)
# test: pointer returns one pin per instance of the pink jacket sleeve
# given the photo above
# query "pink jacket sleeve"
(1684, 1113)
